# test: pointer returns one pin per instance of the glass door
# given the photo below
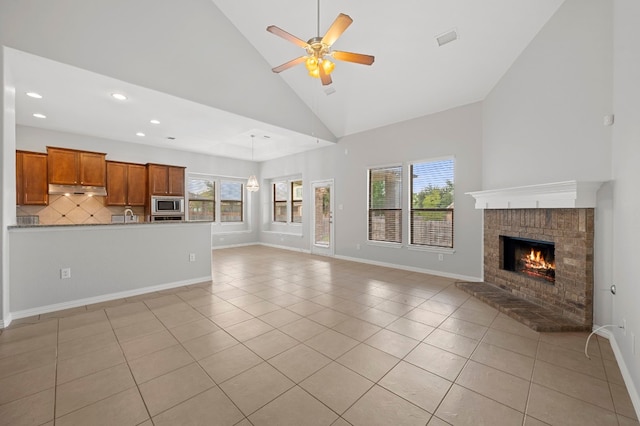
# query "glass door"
(322, 225)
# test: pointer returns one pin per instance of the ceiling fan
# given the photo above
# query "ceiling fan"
(319, 49)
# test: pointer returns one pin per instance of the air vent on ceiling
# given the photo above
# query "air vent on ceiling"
(448, 37)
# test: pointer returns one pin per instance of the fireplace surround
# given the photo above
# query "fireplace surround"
(571, 232)
(557, 220)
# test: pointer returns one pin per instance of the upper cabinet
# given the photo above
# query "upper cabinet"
(31, 178)
(166, 180)
(126, 184)
(73, 167)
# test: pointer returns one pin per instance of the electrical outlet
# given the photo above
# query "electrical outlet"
(65, 273)
(440, 257)
(192, 257)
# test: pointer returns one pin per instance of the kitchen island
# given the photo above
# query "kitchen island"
(105, 261)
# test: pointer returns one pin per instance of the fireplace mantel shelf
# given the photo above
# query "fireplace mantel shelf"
(559, 195)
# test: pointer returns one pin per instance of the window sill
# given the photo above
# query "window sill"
(431, 249)
(384, 244)
(293, 234)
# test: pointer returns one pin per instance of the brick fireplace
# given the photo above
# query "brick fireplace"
(571, 232)
(557, 220)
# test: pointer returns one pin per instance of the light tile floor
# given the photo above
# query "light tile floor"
(283, 338)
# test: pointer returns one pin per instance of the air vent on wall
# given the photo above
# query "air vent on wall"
(448, 37)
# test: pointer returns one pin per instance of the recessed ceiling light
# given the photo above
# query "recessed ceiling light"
(154, 122)
(119, 96)
(34, 95)
(38, 115)
(140, 134)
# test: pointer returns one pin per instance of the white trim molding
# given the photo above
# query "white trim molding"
(628, 381)
(105, 298)
(559, 195)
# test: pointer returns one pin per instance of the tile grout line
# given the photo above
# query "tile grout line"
(126, 360)
(55, 381)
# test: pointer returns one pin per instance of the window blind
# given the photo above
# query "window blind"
(385, 204)
(432, 203)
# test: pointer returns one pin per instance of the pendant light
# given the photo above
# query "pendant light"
(252, 183)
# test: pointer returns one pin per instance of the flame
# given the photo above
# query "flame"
(535, 260)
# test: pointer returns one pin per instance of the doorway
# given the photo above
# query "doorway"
(322, 230)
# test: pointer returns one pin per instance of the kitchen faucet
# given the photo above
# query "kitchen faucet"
(129, 212)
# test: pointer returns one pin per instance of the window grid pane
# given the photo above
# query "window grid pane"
(201, 199)
(231, 201)
(280, 202)
(432, 203)
(202, 210)
(385, 204)
(296, 201)
(280, 211)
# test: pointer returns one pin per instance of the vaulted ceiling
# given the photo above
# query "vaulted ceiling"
(226, 46)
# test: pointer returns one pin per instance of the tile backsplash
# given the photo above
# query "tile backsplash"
(75, 209)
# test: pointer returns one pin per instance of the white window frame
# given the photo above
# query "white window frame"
(393, 244)
(217, 182)
(409, 206)
(289, 184)
(215, 196)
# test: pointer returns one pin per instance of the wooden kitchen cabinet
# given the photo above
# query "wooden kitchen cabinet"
(31, 178)
(126, 184)
(166, 180)
(73, 167)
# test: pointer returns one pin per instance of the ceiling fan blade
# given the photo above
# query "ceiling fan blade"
(324, 77)
(341, 23)
(285, 35)
(357, 58)
(289, 64)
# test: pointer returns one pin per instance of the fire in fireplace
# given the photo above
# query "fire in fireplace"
(533, 258)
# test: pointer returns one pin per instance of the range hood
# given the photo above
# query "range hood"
(100, 191)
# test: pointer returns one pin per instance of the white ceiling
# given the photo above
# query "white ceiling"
(411, 76)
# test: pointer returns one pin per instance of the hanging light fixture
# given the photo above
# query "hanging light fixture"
(252, 183)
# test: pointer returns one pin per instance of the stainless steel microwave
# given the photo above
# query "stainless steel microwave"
(167, 206)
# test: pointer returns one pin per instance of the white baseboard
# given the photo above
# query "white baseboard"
(233, 246)
(6, 321)
(411, 268)
(103, 298)
(628, 381)
(299, 250)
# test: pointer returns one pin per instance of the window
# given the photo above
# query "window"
(280, 202)
(431, 217)
(201, 192)
(231, 201)
(296, 201)
(385, 204)
(287, 201)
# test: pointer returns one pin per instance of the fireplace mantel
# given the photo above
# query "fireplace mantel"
(559, 195)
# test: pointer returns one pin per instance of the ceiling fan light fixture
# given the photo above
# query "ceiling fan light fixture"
(317, 48)
(328, 66)
(311, 63)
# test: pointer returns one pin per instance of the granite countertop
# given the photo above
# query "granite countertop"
(79, 225)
